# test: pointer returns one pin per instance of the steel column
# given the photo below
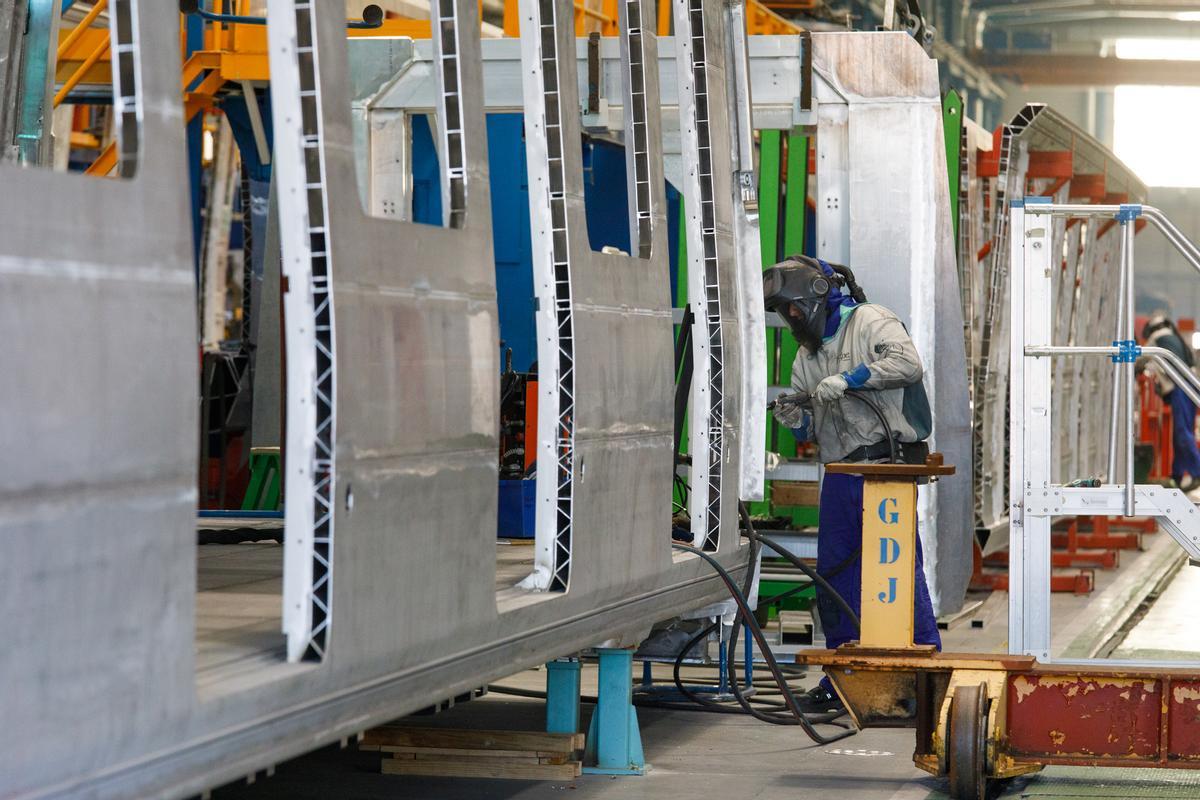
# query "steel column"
(37, 78)
(562, 695)
(1127, 231)
(1030, 467)
(614, 741)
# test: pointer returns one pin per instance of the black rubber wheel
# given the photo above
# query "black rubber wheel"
(967, 743)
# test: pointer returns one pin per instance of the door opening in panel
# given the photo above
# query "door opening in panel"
(243, 417)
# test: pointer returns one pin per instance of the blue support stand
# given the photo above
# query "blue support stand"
(614, 741)
(562, 696)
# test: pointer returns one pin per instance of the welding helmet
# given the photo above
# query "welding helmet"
(797, 290)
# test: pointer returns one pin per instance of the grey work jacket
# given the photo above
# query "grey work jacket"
(870, 335)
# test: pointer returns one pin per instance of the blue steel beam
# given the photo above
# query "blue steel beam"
(37, 71)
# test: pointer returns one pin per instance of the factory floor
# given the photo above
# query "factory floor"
(693, 755)
(1137, 609)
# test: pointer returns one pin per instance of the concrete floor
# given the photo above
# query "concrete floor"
(695, 754)
(692, 754)
(1168, 631)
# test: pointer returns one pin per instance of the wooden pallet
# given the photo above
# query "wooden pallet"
(521, 755)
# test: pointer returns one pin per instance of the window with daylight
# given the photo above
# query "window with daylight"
(1154, 125)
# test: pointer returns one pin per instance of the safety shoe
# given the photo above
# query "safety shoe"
(819, 700)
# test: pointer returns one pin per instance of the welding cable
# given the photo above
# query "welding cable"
(740, 599)
(887, 429)
(678, 666)
(776, 717)
(759, 540)
(816, 577)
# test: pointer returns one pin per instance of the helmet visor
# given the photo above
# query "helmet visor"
(804, 319)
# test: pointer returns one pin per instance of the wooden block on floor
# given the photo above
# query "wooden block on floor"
(475, 756)
(487, 756)
(795, 493)
(544, 756)
(471, 740)
(482, 768)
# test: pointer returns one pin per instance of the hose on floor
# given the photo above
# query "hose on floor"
(746, 616)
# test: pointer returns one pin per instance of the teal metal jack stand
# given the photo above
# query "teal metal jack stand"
(562, 696)
(614, 741)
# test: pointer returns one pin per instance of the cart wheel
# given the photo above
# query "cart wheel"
(968, 743)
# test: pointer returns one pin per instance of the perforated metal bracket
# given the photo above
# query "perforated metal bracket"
(1176, 514)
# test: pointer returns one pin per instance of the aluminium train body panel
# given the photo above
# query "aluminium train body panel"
(392, 412)
(883, 208)
(98, 494)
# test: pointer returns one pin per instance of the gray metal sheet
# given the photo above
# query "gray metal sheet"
(604, 324)
(97, 500)
(414, 383)
(98, 591)
(885, 212)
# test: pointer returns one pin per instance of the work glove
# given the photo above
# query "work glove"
(789, 414)
(831, 389)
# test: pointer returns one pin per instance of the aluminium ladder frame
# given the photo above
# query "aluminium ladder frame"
(1034, 499)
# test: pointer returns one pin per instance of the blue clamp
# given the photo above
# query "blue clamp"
(1127, 351)
(1129, 212)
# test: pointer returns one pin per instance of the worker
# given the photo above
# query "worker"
(859, 367)
(1160, 331)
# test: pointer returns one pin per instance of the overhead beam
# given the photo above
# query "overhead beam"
(1071, 70)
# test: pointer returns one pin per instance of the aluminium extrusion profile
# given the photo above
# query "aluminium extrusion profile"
(1035, 497)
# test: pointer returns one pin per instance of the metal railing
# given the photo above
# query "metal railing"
(1125, 350)
(1035, 497)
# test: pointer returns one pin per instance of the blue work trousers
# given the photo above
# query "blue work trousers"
(1183, 436)
(839, 561)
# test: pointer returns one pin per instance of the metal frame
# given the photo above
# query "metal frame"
(709, 243)
(1035, 497)
(310, 487)
(306, 46)
(906, 258)
(546, 147)
(415, 616)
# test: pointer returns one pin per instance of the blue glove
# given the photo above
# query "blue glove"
(857, 378)
(805, 432)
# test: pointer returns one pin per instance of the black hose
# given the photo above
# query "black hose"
(675, 670)
(744, 608)
(768, 656)
(887, 429)
(816, 577)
